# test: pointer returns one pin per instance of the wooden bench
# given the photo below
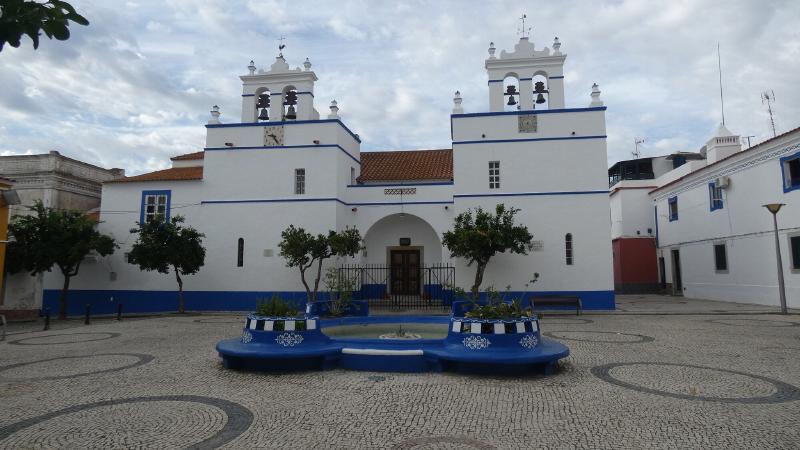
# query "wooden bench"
(557, 300)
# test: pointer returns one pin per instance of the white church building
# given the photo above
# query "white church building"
(286, 164)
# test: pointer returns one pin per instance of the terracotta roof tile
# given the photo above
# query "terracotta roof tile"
(407, 165)
(188, 156)
(173, 174)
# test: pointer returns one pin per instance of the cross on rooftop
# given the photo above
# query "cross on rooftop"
(522, 31)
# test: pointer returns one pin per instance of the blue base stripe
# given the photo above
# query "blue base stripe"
(106, 301)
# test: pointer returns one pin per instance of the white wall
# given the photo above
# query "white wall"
(742, 224)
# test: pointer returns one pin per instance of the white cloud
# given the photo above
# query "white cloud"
(135, 86)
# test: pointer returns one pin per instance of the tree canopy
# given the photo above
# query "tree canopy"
(302, 249)
(164, 246)
(25, 17)
(479, 235)
(60, 238)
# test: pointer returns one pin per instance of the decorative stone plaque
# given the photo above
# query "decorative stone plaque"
(537, 246)
(527, 123)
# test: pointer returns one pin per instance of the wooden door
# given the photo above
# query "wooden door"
(405, 272)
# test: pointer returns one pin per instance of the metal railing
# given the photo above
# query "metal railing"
(401, 287)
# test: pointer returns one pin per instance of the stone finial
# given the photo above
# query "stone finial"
(596, 96)
(307, 65)
(491, 50)
(457, 109)
(334, 110)
(214, 115)
(556, 47)
(252, 67)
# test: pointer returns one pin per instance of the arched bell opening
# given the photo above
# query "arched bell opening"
(511, 92)
(262, 99)
(289, 97)
(541, 91)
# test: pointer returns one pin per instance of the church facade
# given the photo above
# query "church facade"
(285, 164)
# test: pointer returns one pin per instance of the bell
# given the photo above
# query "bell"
(540, 99)
(511, 90)
(291, 114)
(264, 115)
(539, 87)
(263, 101)
(511, 101)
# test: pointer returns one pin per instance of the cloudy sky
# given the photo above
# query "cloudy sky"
(135, 87)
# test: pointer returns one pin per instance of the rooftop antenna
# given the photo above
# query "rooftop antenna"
(636, 143)
(281, 46)
(721, 100)
(522, 31)
(768, 97)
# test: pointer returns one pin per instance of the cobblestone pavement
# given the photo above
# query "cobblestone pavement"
(677, 380)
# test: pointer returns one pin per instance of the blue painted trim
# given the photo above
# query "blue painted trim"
(712, 204)
(400, 203)
(305, 93)
(322, 199)
(278, 147)
(556, 77)
(166, 192)
(522, 194)
(532, 111)
(141, 301)
(285, 122)
(273, 200)
(495, 81)
(525, 79)
(433, 183)
(560, 138)
(248, 95)
(786, 186)
(670, 202)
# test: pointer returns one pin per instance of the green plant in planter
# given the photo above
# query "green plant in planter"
(276, 307)
(500, 305)
(340, 289)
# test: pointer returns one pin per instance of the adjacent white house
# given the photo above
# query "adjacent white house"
(285, 163)
(714, 238)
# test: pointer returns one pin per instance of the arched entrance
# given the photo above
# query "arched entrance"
(402, 263)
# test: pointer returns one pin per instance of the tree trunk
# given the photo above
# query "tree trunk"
(305, 284)
(62, 299)
(316, 282)
(476, 288)
(181, 306)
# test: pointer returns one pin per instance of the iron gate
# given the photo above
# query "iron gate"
(400, 287)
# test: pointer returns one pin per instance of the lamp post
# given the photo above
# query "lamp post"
(774, 208)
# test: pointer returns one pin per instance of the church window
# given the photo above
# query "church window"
(240, 253)
(494, 174)
(155, 206)
(299, 181)
(568, 248)
(790, 166)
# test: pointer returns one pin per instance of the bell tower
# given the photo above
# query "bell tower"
(279, 94)
(526, 79)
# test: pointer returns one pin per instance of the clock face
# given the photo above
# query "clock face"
(527, 123)
(273, 136)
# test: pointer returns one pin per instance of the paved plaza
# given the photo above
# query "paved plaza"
(661, 372)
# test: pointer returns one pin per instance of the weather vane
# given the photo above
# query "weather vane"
(523, 31)
(281, 46)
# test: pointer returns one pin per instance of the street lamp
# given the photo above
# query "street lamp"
(774, 208)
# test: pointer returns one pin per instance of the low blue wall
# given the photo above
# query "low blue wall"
(106, 301)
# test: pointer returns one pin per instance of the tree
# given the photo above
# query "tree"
(54, 238)
(302, 249)
(162, 246)
(20, 17)
(480, 236)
